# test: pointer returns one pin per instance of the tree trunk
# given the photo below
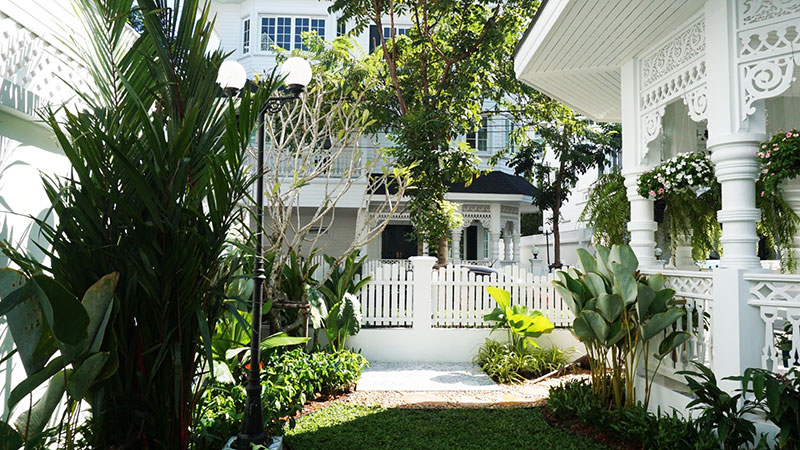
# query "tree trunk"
(556, 236)
(441, 250)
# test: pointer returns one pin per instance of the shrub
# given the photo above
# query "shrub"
(506, 363)
(779, 397)
(575, 400)
(289, 380)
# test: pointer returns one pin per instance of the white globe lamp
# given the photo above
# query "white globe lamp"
(296, 74)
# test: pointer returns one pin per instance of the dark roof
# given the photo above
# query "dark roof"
(491, 183)
(495, 183)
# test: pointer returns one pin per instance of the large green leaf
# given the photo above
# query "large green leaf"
(31, 333)
(603, 267)
(319, 310)
(32, 422)
(659, 322)
(624, 283)
(350, 314)
(598, 324)
(660, 301)
(33, 381)
(83, 376)
(595, 284)
(11, 283)
(501, 296)
(566, 295)
(644, 301)
(582, 329)
(610, 307)
(273, 341)
(586, 261)
(656, 282)
(671, 342)
(58, 303)
(98, 302)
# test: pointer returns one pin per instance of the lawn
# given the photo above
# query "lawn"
(343, 426)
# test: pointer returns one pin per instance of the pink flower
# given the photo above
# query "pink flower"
(652, 194)
(789, 134)
(661, 191)
(765, 171)
(762, 193)
(764, 146)
(769, 162)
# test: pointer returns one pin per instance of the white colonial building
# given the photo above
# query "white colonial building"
(669, 71)
(491, 205)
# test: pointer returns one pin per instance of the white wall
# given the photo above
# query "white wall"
(33, 59)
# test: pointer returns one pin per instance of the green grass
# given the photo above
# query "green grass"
(342, 426)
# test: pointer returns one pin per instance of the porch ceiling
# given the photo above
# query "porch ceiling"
(573, 49)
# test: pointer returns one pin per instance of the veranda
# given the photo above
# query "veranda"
(716, 77)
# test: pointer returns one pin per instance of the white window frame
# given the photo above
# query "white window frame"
(293, 38)
(245, 34)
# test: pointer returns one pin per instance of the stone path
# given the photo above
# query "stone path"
(444, 385)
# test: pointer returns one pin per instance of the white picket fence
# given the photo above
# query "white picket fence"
(457, 295)
(387, 299)
(460, 297)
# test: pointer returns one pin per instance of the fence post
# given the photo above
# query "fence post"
(423, 268)
(736, 327)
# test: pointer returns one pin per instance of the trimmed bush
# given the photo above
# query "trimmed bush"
(507, 363)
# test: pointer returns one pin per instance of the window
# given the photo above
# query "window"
(509, 131)
(246, 36)
(375, 38)
(278, 31)
(341, 27)
(479, 139)
(485, 244)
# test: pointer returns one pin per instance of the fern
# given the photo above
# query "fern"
(608, 210)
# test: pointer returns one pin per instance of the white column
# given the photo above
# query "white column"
(494, 233)
(456, 235)
(423, 269)
(515, 237)
(682, 256)
(642, 225)
(733, 138)
(507, 244)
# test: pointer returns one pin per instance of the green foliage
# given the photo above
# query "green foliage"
(575, 399)
(158, 177)
(608, 210)
(431, 86)
(721, 411)
(36, 308)
(779, 224)
(347, 426)
(289, 380)
(522, 323)
(334, 305)
(297, 276)
(618, 312)
(779, 397)
(507, 364)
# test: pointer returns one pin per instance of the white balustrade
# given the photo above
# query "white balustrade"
(778, 299)
(696, 292)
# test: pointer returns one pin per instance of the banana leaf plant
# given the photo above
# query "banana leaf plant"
(523, 324)
(341, 320)
(618, 313)
(61, 341)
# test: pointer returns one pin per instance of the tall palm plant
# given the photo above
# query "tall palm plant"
(158, 172)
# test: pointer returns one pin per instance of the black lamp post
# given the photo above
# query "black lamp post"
(296, 74)
(546, 243)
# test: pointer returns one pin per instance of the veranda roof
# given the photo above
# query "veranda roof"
(573, 49)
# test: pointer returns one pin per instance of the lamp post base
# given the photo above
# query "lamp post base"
(274, 443)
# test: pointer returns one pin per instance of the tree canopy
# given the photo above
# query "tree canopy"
(433, 83)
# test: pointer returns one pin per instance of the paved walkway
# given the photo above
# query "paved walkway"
(383, 376)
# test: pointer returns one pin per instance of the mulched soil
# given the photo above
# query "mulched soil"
(590, 431)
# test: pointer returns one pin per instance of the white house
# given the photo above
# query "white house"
(34, 66)
(668, 71)
(491, 205)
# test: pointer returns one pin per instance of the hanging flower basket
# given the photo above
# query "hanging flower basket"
(687, 197)
(780, 160)
(685, 173)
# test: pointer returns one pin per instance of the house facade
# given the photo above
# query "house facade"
(491, 205)
(714, 76)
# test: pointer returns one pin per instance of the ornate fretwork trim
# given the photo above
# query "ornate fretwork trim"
(764, 79)
(687, 46)
(651, 126)
(696, 103)
(755, 11)
(508, 209)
